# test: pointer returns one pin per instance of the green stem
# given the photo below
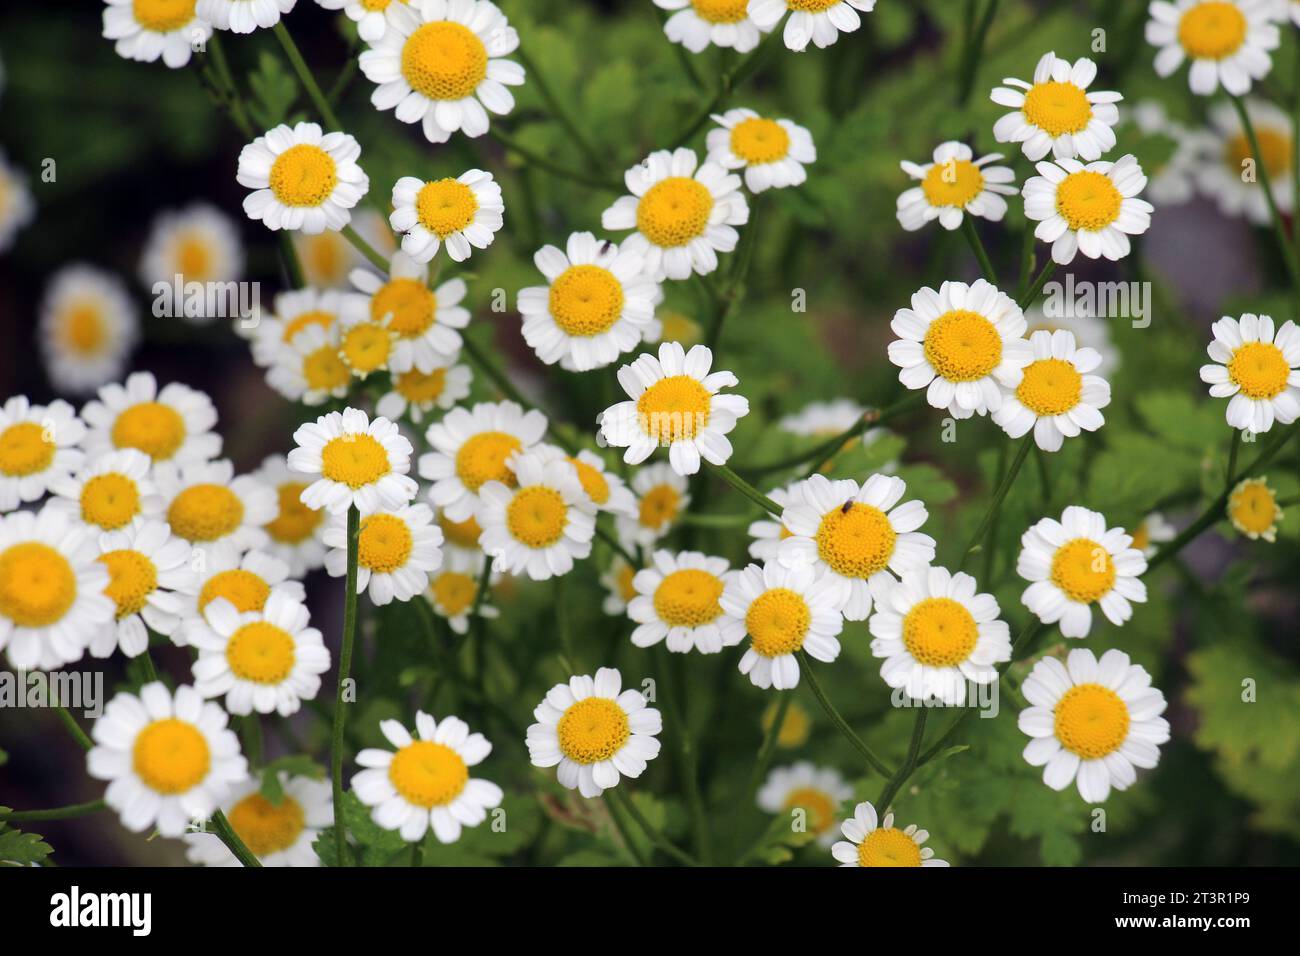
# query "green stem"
(74, 728)
(557, 108)
(1265, 181)
(971, 51)
(892, 786)
(768, 746)
(508, 389)
(373, 255)
(345, 668)
(292, 267)
(730, 301)
(687, 754)
(995, 505)
(872, 760)
(1003, 460)
(745, 488)
(227, 835)
(612, 541)
(727, 85)
(620, 823)
(555, 169)
(1026, 259)
(238, 115)
(977, 246)
(1234, 448)
(252, 727)
(305, 76)
(54, 813)
(1036, 287)
(653, 834)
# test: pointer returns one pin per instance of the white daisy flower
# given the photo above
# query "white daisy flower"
(1075, 563)
(724, 23)
(617, 581)
(310, 369)
(279, 833)
(464, 214)
(1226, 169)
(426, 783)
(454, 589)
(302, 177)
(169, 759)
(1056, 394)
(294, 534)
(818, 792)
(473, 447)
(679, 598)
(539, 523)
(360, 462)
(440, 64)
(935, 633)
(1173, 182)
(207, 504)
(461, 537)
(1092, 721)
(603, 489)
(783, 610)
(52, 600)
(370, 16)
(662, 497)
(767, 532)
(397, 551)
(200, 244)
(961, 344)
(1258, 368)
(149, 575)
(674, 403)
(243, 16)
(88, 328)
(1056, 113)
(855, 536)
(1151, 531)
(39, 448)
(1088, 329)
(174, 424)
(416, 394)
(952, 184)
(145, 30)
(264, 661)
(683, 216)
(595, 306)
(244, 579)
(817, 21)
(773, 153)
(296, 311)
(1091, 209)
(425, 321)
(594, 733)
(113, 491)
(328, 258)
(1253, 509)
(1228, 41)
(16, 206)
(870, 843)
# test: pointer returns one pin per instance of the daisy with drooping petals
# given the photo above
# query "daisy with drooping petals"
(1056, 113)
(328, 258)
(310, 369)
(679, 598)
(169, 759)
(425, 322)
(816, 791)
(294, 534)
(541, 522)
(683, 216)
(952, 184)
(1151, 531)
(279, 833)
(1075, 563)
(1259, 368)
(1092, 722)
(1253, 509)
(52, 600)
(772, 153)
(662, 497)
(207, 504)
(296, 311)
(1091, 209)
(868, 843)
(453, 590)
(264, 661)
(604, 489)
(39, 448)
(594, 733)
(855, 536)
(302, 177)
(397, 550)
(114, 491)
(173, 424)
(1056, 394)
(426, 783)
(935, 633)
(674, 403)
(88, 327)
(16, 206)
(1227, 168)
(149, 576)
(243, 16)
(1228, 41)
(473, 447)
(463, 214)
(416, 394)
(198, 244)
(145, 30)
(767, 532)
(724, 23)
(817, 21)
(370, 16)
(360, 462)
(784, 610)
(243, 579)
(617, 581)
(961, 344)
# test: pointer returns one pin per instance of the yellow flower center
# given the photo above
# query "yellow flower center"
(939, 632)
(171, 756)
(156, 429)
(721, 11)
(445, 206)
(84, 330)
(463, 534)
(109, 501)
(131, 579)
(623, 581)
(777, 622)
(303, 175)
(818, 804)
(536, 516)
(794, 730)
(593, 482)
(593, 729)
(962, 346)
(1088, 200)
(384, 543)
(1050, 387)
(355, 460)
(324, 370)
(37, 584)
(163, 16)
(193, 258)
(1091, 721)
(324, 258)
(586, 300)
(674, 211)
(1259, 369)
(444, 61)
(243, 589)
(296, 522)
(299, 322)
(952, 183)
(1141, 537)
(483, 458)
(857, 541)
(1253, 507)
(420, 388)
(759, 141)
(427, 774)
(1274, 150)
(679, 328)
(378, 5)
(658, 506)
(261, 653)
(366, 347)
(25, 450)
(888, 846)
(1083, 569)
(205, 512)
(265, 827)
(1213, 30)
(674, 408)
(407, 306)
(454, 592)
(1057, 108)
(688, 598)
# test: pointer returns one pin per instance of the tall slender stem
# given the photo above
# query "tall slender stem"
(345, 668)
(727, 84)
(54, 813)
(620, 823)
(74, 728)
(555, 169)
(995, 505)
(628, 806)
(892, 786)
(373, 255)
(746, 489)
(552, 101)
(227, 835)
(318, 98)
(768, 746)
(1265, 181)
(977, 246)
(838, 720)
(1037, 286)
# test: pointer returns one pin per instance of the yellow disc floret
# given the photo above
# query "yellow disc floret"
(818, 804)
(1212, 31)
(674, 408)
(324, 369)
(658, 507)
(586, 300)
(427, 774)
(593, 729)
(37, 584)
(245, 590)
(1057, 108)
(295, 522)
(463, 534)
(721, 11)
(674, 211)
(318, 317)
(952, 183)
(303, 176)
(156, 429)
(261, 653)
(163, 16)
(777, 622)
(1088, 200)
(205, 512)
(483, 458)
(1260, 370)
(454, 592)
(445, 206)
(421, 388)
(25, 449)
(962, 346)
(593, 482)
(407, 306)
(536, 516)
(939, 632)
(888, 846)
(856, 540)
(384, 543)
(1274, 151)
(758, 141)
(109, 501)
(1083, 569)
(267, 827)
(1253, 509)
(1091, 721)
(444, 61)
(132, 577)
(688, 598)
(82, 328)
(171, 756)
(366, 347)
(355, 460)
(1050, 387)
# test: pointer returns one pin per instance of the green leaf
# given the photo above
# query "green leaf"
(274, 90)
(21, 849)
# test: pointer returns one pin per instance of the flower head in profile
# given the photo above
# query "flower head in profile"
(1056, 113)
(819, 22)
(869, 841)
(1152, 531)
(952, 184)
(1227, 41)
(1257, 367)
(772, 152)
(453, 592)
(462, 214)
(1091, 209)
(1057, 395)
(294, 534)
(302, 177)
(360, 463)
